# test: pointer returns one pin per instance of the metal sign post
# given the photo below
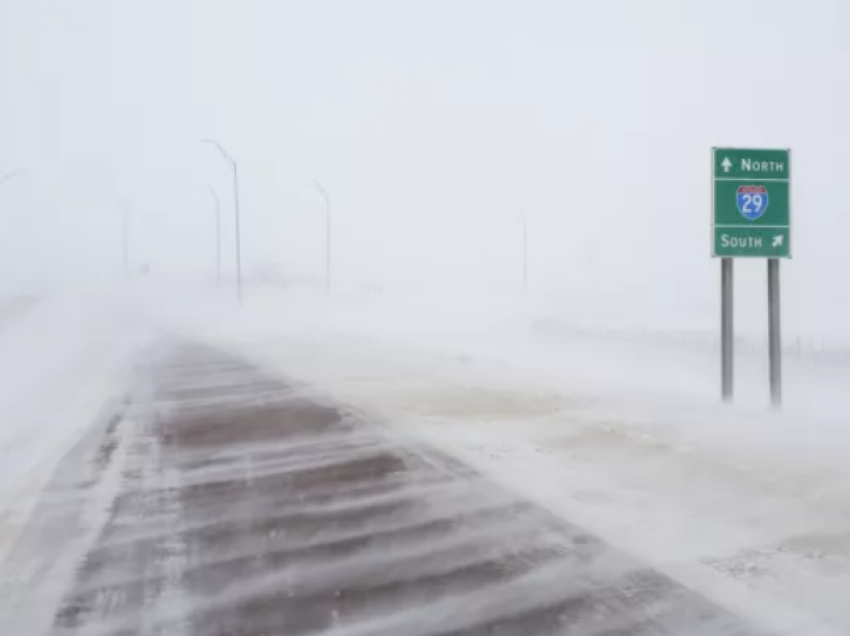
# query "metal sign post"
(751, 191)
(727, 332)
(774, 332)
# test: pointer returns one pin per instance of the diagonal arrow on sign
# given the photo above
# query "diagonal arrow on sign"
(778, 240)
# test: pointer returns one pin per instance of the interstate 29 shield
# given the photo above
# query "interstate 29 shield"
(752, 201)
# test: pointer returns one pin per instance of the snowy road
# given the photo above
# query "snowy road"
(221, 500)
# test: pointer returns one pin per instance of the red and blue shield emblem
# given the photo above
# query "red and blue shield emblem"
(752, 201)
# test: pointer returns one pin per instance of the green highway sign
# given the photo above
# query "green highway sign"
(752, 203)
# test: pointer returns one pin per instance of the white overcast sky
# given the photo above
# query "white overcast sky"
(434, 125)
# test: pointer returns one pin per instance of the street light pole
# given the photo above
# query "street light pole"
(524, 253)
(125, 225)
(235, 169)
(217, 237)
(328, 235)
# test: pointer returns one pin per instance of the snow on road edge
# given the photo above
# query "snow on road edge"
(60, 365)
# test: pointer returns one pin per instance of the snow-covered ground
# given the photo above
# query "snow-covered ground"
(623, 435)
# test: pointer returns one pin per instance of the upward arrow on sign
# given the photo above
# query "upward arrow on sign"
(727, 165)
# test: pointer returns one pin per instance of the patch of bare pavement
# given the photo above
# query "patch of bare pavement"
(250, 506)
